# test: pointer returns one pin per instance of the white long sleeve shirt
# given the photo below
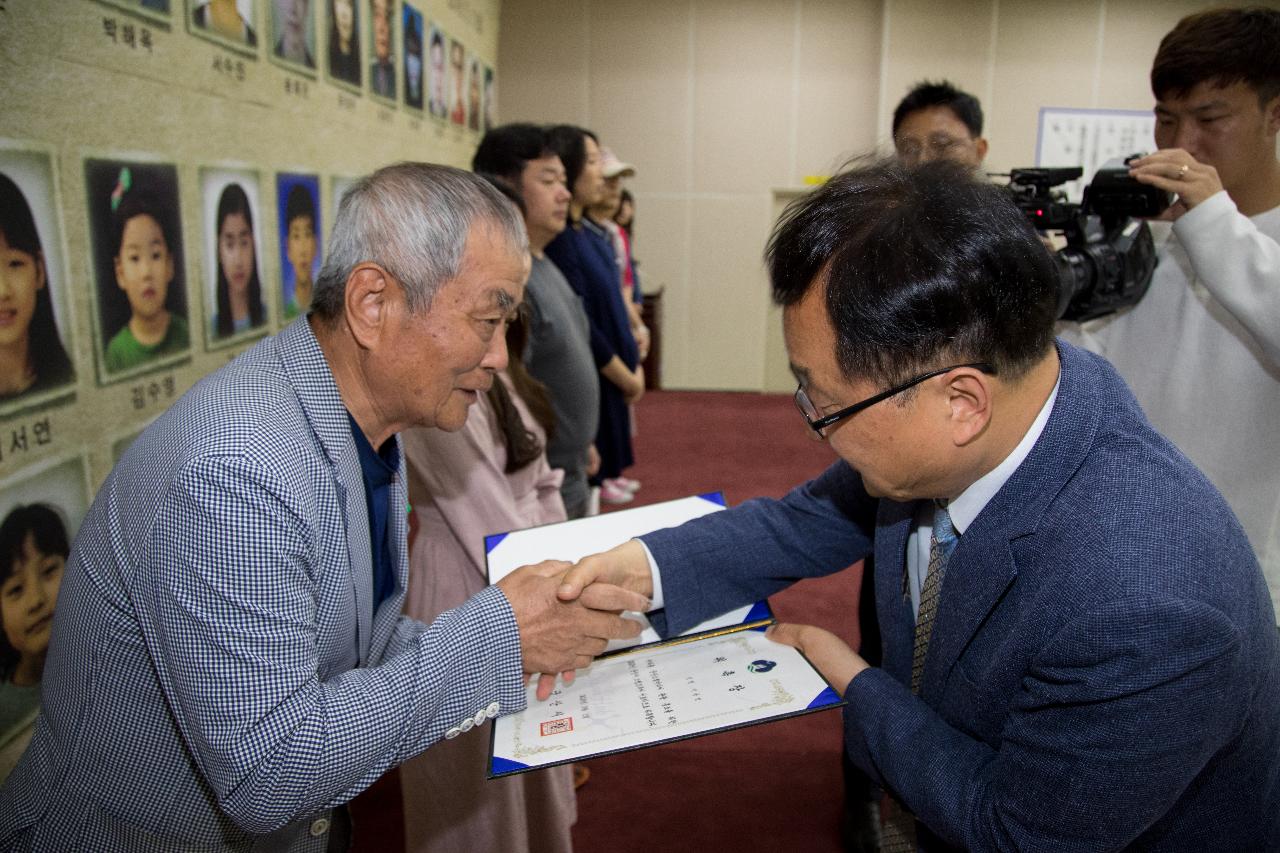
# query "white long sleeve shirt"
(1201, 352)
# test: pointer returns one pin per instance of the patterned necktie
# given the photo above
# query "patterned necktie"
(941, 544)
(898, 834)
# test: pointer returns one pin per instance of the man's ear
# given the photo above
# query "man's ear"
(980, 145)
(969, 401)
(367, 303)
(1271, 115)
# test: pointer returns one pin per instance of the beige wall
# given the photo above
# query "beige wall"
(723, 104)
(73, 92)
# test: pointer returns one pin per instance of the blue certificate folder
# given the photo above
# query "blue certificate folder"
(720, 675)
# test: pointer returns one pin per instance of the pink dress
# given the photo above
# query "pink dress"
(459, 494)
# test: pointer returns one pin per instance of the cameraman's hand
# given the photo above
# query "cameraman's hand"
(1176, 171)
(558, 635)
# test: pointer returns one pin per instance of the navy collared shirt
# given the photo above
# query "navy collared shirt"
(379, 469)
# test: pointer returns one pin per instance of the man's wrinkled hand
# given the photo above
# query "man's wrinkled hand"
(831, 655)
(561, 635)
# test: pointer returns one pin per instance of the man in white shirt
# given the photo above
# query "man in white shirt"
(1201, 351)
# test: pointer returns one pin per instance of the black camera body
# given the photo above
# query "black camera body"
(1110, 255)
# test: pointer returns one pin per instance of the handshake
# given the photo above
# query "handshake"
(567, 613)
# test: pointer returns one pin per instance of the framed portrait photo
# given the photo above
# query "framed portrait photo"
(457, 83)
(298, 206)
(342, 44)
(40, 511)
(234, 302)
(382, 54)
(437, 73)
(37, 365)
(412, 39)
(229, 23)
(157, 12)
(293, 35)
(489, 97)
(141, 322)
(474, 82)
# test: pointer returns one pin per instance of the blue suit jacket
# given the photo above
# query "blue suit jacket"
(1104, 671)
(217, 678)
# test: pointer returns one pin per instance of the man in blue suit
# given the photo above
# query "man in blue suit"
(229, 664)
(1079, 649)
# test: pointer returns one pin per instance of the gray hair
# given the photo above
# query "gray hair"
(411, 219)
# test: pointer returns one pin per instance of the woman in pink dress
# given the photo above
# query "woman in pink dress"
(490, 477)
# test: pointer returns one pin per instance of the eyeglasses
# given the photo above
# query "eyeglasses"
(818, 422)
(938, 148)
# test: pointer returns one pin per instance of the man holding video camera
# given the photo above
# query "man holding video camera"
(1201, 351)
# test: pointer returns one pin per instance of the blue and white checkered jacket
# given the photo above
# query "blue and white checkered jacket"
(217, 679)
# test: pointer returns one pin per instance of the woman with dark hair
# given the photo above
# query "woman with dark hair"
(585, 256)
(239, 290)
(344, 41)
(491, 476)
(32, 357)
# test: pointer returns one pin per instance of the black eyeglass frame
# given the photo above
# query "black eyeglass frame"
(804, 404)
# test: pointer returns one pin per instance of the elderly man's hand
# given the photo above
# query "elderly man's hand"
(831, 655)
(1176, 171)
(558, 635)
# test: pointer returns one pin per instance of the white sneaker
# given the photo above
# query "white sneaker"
(627, 484)
(611, 493)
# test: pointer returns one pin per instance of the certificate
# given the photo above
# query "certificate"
(573, 540)
(644, 697)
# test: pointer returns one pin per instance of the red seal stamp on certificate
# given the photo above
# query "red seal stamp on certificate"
(556, 727)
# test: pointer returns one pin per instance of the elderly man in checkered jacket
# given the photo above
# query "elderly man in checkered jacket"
(229, 664)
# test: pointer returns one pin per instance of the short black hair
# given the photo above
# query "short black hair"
(139, 202)
(1221, 47)
(570, 142)
(922, 265)
(299, 203)
(927, 94)
(504, 186)
(504, 151)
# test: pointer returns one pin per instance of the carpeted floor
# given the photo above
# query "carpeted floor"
(765, 788)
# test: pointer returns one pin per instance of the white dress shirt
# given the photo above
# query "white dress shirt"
(969, 503)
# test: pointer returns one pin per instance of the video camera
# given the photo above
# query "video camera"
(1110, 255)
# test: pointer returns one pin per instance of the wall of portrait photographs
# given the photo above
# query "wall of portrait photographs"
(167, 172)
